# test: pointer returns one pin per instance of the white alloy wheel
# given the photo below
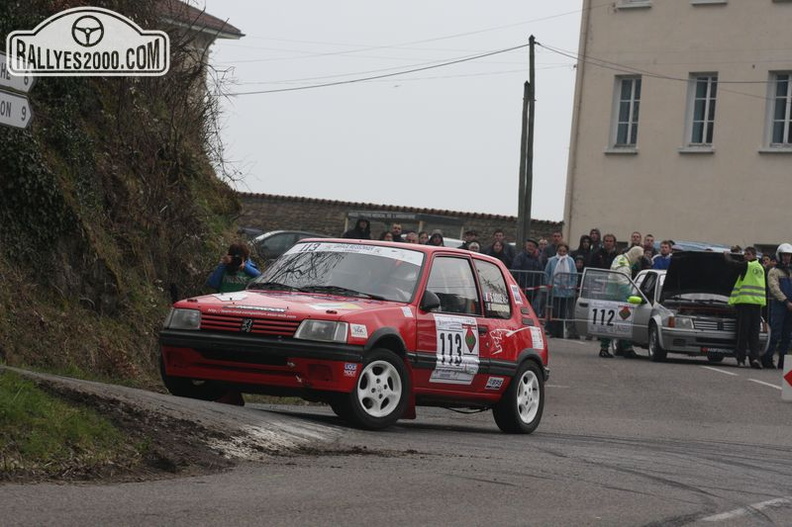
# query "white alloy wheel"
(379, 389)
(528, 396)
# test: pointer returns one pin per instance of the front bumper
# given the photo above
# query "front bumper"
(697, 342)
(260, 361)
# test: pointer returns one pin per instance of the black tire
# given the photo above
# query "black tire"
(191, 388)
(715, 357)
(520, 409)
(656, 351)
(380, 395)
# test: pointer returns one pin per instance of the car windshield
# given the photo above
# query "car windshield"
(359, 270)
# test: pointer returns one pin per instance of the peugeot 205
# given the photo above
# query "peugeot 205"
(684, 310)
(373, 329)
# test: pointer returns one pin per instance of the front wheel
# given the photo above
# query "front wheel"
(714, 357)
(520, 409)
(656, 351)
(381, 392)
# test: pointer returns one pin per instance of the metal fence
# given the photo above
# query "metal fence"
(552, 300)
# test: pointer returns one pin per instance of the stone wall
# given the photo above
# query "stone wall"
(267, 212)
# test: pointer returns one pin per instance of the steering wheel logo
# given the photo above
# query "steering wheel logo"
(87, 31)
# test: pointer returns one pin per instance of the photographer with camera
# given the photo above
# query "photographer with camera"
(234, 271)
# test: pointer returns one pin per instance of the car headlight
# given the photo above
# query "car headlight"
(680, 322)
(323, 330)
(183, 319)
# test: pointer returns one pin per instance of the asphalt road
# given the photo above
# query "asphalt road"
(622, 442)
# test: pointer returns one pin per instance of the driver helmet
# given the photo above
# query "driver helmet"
(784, 248)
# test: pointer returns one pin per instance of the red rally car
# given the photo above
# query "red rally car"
(374, 329)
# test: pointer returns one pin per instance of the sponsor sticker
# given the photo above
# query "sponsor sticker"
(230, 297)
(335, 306)
(407, 311)
(350, 369)
(537, 337)
(515, 289)
(494, 383)
(359, 331)
(457, 355)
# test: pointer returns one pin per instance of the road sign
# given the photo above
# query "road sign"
(15, 82)
(786, 382)
(15, 110)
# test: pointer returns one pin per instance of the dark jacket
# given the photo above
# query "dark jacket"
(602, 259)
(361, 230)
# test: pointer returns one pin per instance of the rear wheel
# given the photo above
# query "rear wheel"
(520, 409)
(656, 351)
(715, 357)
(192, 388)
(380, 395)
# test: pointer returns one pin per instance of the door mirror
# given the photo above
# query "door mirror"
(429, 301)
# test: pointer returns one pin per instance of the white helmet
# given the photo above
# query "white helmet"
(784, 248)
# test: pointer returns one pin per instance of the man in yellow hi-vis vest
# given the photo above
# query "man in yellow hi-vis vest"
(748, 297)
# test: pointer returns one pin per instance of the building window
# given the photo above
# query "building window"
(627, 105)
(781, 101)
(703, 92)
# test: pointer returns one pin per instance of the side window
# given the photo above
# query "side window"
(494, 290)
(648, 286)
(601, 284)
(451, 279)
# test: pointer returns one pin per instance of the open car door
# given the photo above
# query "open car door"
(610, 305)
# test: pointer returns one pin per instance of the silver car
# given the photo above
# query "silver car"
(683, 310)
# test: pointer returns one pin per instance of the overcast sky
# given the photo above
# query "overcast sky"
(444, 138)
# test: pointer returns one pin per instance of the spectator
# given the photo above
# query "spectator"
(527, 268)
(748, 297)
(648, 245)
(596, 239)
(542, 246)
(469, 237)
(423, 237)
(550, 250)
(361, 230)
(474, 247)
(498, 250)
(561, 275)
(779, 285)
(396, 232)
(499, 236)
(623, 264)
(583, 249)
(386, 236)
(635, 239)
(663, 259)
(436, 239)
(603, 258)
(234, 271)
(411, 237)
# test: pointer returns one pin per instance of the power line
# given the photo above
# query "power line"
(623, 68)
(386, 75)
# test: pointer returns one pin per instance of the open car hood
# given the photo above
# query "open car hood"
(699, 272)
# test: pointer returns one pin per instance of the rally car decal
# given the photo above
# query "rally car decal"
(457, 349)
(335, 305)
(515, 289)
(359, 331)
(230, 297)
(610, 318)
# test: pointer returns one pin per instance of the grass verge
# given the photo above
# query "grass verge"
(45, 437)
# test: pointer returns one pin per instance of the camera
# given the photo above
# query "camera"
(233, 266)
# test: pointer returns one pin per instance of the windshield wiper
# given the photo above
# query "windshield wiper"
(273, 286)
(335, 289)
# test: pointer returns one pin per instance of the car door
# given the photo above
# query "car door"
(450, 345)
(603, 308)
(648, 284)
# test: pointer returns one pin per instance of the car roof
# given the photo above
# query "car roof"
(429, 249)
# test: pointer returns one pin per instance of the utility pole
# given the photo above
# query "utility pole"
(526, 152)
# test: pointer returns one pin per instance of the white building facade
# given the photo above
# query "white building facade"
(682, 125)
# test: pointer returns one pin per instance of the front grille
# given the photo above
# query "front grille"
(240, 324)
(710, 324)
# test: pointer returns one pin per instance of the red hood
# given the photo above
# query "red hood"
(286, 305)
